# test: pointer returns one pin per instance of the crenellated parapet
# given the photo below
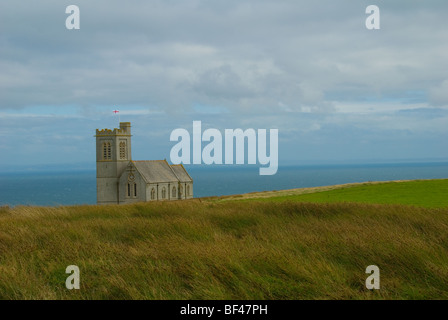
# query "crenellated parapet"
(109, 132)
(125, 129)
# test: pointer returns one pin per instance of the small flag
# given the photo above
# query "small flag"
(115, 112)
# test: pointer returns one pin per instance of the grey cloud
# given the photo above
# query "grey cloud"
(254, 63)
(439, 94)
(175, 54)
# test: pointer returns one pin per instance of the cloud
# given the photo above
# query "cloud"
(239, 53)
(439, 94)
(308, 68)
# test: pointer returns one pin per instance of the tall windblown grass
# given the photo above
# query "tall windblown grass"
(232, 250)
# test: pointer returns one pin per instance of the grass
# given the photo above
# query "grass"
(425, 193)
(227, 250)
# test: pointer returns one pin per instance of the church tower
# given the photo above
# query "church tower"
(113, 153)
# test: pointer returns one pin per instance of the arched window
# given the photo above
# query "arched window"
(107, 151)
(188, 190)
(129, 189)
(173, 194)
(135, 189)
(163, 193)
(153, 194)
(122, 150)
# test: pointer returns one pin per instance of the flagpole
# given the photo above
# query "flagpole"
(115, 112)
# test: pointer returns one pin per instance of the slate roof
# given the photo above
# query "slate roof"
(181, 173)
(154, 171)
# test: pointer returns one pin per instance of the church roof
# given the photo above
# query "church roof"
(154, 171)
(181, 173)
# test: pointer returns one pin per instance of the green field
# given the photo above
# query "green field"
(425, 193)
(208, 249)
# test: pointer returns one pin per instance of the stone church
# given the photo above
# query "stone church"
(119, 179)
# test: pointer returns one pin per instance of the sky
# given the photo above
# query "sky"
(336, 91)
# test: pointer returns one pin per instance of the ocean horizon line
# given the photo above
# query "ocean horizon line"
(66, 168)
(75, 186)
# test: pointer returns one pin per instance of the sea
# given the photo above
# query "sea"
(79, 187)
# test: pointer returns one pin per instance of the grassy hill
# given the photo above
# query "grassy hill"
(270, 248)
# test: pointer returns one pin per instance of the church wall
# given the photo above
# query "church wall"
(106, 190)
(182, 190)
(188, 185)
(168, 187)
(149, 188)
(175, 185)
(158, 191)
(128, 195)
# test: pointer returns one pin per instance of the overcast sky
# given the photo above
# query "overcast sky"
(335, 90)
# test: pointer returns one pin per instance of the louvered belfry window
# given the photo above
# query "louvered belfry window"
(107, 151)
(122, 150)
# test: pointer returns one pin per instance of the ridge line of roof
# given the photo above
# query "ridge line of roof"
(186, 171)
(172, 170)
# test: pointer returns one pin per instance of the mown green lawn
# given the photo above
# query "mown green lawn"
(424, 193)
